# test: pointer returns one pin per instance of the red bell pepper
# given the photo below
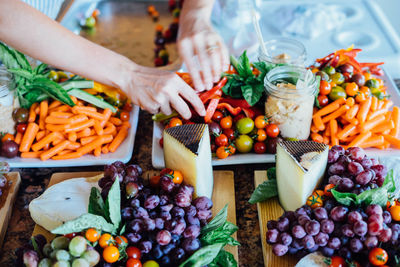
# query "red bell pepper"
(242, 103)
(212, 107)
(352, 53)
(214, 92)
(232, 110)
(355, 64)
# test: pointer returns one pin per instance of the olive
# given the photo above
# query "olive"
(346, 68)
(329, 70)
(20, 115)
(337, 78)
(9, 149)
(372, 84)
(53, 75)
(323, 75)
(359, 79)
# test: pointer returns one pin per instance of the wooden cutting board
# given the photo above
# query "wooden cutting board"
(223, 193)
(7, 202)
(270, 210)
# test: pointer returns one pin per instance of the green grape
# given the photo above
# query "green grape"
(53, 254)
(92, 257)
(60, 242)
(61, 264)
(80, 263)
(46, 262)
(47, 249)
(63, 255)
(329, 70)
(77, 246)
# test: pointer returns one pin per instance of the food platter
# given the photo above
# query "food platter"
(123, 153)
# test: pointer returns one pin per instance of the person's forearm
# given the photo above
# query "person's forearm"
(203, 6)
(33, 33)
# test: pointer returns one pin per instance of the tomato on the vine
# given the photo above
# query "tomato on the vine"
(176, 176)
(121, 240)
(217, 116)
(315, 200)
(261, 135)
(124, 116)
(128, 106)
(260, 147)
(232, 149)
(378, 256)
(335, 261)
(226, 122)
(221, 140)
(175, 122)
(106, 240)
(323, 100)
(260, 122)
(327, 190)
(133, 263)
(223, 152)
(351, 89)
(272, 130)
(92, 235)
(230, 133)
(324, 88)
(111, 254)
(133, 252)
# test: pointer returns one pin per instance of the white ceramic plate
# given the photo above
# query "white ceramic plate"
(123, 153)
(157, 155)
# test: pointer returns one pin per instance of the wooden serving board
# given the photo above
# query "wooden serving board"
(223, 193)
(7, 202)
(270, 210)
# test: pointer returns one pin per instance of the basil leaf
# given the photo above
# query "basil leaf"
(221, 235)
(40, 69)
(22, 101)
(377, 196)
(271, 173)
(35, 95)
(84, 222)
(53, 89)
(122, 230)
(264, 191)
(217, 221)
(234, 62)
(389, 182)
(243, 66)
(91, 99)
(113, 204)
(8, 57)
(22, 61)
(96, 203)
(22, 73)
(224, 259)
(203, 256)
(264, 68)
(252, 93)
(344, 198)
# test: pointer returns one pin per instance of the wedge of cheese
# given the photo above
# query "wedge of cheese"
(187, 149)
(62, 202)
(300, 167)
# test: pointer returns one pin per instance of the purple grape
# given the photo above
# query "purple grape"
(203, 203)
(168, 248)
(379, 180)
(170, 224)
(191, 210)
(320, 213)
(167, 184)
(395, 235)
(272, 236)
(327, 226)
(355, 168)
(334, 179)
(339, 149)
(374, 228)
(298, 231)
(329, 204)
(178, 254)
(308, 242)
(327, 252)
(338, 213)
(127, 213)
(283, 224)
(334, 243)
(165, 215)
(110, 171)
(333, 156)
(360, 228)
(366, 163)
(179, 227)
(292, 250)
(296, 243)
(353, 217)
(321, 239)
(152, 202)
(347, 230)
(156, 252)
(303, 219)
(285, 239)
(102, 182)
(133, 238)
(290, 215)
(140, 213)
(163, 237)
(133, 170)
(30, 258)
(385, 235)
(364, 177)
(380, 170)
(189, 190)
(300, 211)
(177, 212)
(355, 245)
(145, 246)
(192, 220)
(345, 253)
(136, 226)
(356, 153)
(279, 249)
(192, 231)
(182, 200)
(191, 244)
(345, 185)
(132, 190)
(204, 214)
(387, 218)
(159, 223)
(371, 242)
(336, 169)
(166, 208)
(374, 209)
(149, 224)
(134, 203)
(175, 239)
(312, 227)
(272, 224)
(164, 200)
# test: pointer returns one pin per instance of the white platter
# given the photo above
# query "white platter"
(157, 156)
(123, 153)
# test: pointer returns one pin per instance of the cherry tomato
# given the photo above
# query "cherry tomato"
(395, 212)
(230, 133)
(176, 176)
(337, 261)
(124, 116)
(128, 106)
(8, 136)
(327, 190)
(221, 140)
(92, 235)
(217, 116)
(213, 148)
(71, 235)
(223, 152)
(360, 97)
(272, 130)
(161, 142)
(133, 263)
(232, 149)
(351, 89)
(21, 128)
(324, 88)
(260, 147)
(260, 122)
(315, 200)
(226, 122)
(165, 171)
(238, 117)
(111, 254)
(378, 256)
(133, 252)
(365, 90)
(121, 240)
(155, 180)
(106, 240)
(323, 100)
(261, 135)
(175, 122)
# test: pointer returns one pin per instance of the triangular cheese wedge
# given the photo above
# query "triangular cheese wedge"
(300, 167)
(187, 149)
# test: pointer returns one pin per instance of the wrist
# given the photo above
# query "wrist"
(123, 73)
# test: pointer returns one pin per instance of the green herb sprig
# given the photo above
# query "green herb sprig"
(267, 189)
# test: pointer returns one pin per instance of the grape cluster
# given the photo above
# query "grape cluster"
(164, 222)
(352, 171)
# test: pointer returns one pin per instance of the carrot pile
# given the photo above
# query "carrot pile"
(57, 131)
(365, 123)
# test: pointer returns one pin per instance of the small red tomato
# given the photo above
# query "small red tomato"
(165, 171)
(71, 235)
(133, 263)
(337, 261)
(124, 116)
(155, 180)
(260, 148)
(133, 252)
(272, 130)
(323, 100)
(324, 88)
(128, 107)
(221, 140)
(238, 117)
(230, 133)
(226, 122)
(21, 128)
(217, 116)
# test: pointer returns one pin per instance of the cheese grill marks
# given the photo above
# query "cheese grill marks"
(188, 135)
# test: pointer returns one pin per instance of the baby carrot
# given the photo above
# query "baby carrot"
(18, 138)
(334, 129)
(107, 114)
(350, 101)
(97, 142)
(368, 125)
(45, 140)
(54, 150)
(127, 124)
(55, 104)
(73, 145)
(63, 108)
(347, 130)
(40, 135)
(81, 108)
(77, 119)
(317, 138)
(348, 139)
(382, 127)
(314, 129)
(31, 130)
(87, 140)
(37, 110)
(63, 152)
(72, 136)
(325, 140)
(392, 140)
(375, 114)
(43, 113)
(387, 104)
(80, 126)
(59, 114)
(84, 133)
(56, 120)
(364, 109)
(97, 127)
(352, 112)
(360, 139)
(32, 113)
(110, 128)
(123, 132)
(115, 121)
(396, 120)
(72, 155)
(336, 113)
(93, 114)
(374, 103)
(97, 151)
(74, 99)
(56, 127)
(373, 141)
(104, 149)
(30, 155)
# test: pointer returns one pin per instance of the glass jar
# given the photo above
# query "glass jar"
(287, 105)
(284, 51)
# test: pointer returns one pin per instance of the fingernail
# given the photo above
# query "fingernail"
(209, 85)
(200, 87)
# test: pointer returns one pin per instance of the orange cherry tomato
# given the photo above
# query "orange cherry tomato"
(365, 90)
(315, 200)
(272, 130)
(223, 152)
(261, 122)
(323, 100)
(155, 180)
(92, 235)
(337, 261)
(111, 254)
(6, 137)
(124, 116)
(159, 28)
(261, 135)
(217, 116)
(395, 212)
(378, 256)
(327, 190)
(176, 176)
(324, 88)
(360, 97)
(351, 89)
(226, 122)
(133, 252)
(106, 240)
(133, 263)
(175, 122)
(232, 149)
(121, 240)
(367, 75)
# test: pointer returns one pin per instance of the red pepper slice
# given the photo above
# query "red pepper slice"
(355, 64)
(370, 65)
(215, 91)
(212, 107)
(235, 102)
(232, 110)
(352, 53)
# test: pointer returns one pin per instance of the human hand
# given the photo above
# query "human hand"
(197, 38)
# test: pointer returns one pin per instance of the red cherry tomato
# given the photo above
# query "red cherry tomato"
(272, 130)
(230, 133)
(124, 116)
(226, 122)
(337, 261)
(133, 252)
(165, 171)
(128, 107)
(21, 128)
(238, 117)
(213, 148)
(133, 263)
(217, 116)
(324, 88)
(323, 100)
(260, 148)
(221, 140)
(71, 235)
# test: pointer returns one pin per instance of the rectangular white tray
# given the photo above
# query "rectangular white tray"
(123, 153)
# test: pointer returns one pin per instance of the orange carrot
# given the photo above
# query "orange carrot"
(43, 113)
(72, 136)
(110, 128)
(73, 145)
(387, 104)
(55, 120)
(339, 112)
(376, 113)
(328, 130)
(56, 142)
(330, 108)
(59, 114)
(56, 127)
(54, 150)
(382, 127)
(30, 155)
(63, 108)
(374, 103)
(80, 126)
(84, 133)
(347, 130)
(93, 114)
(18, 138)
(72, 155)
(315, 137)
(350, 101)
(31, 130)
(55, 104)
(392, 140)
(364, 109)
(361, 138)
(373, 141)
(104, 149)
(32, 113)
(334, 129)
(40, 135)
(314, 129)
(396, 120)
(107, 114)
(74, 99)
(115, 121)
(37, 110)
(99, 141)
(352, 112)
(65, 151)
(98, 128)
(81, 108)
(118, 139)
(45, 140)
(348, 139)
(87, 140)
(318, 123)
(127, 124)
(325, 140)
(368, 125)
(97, 151)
